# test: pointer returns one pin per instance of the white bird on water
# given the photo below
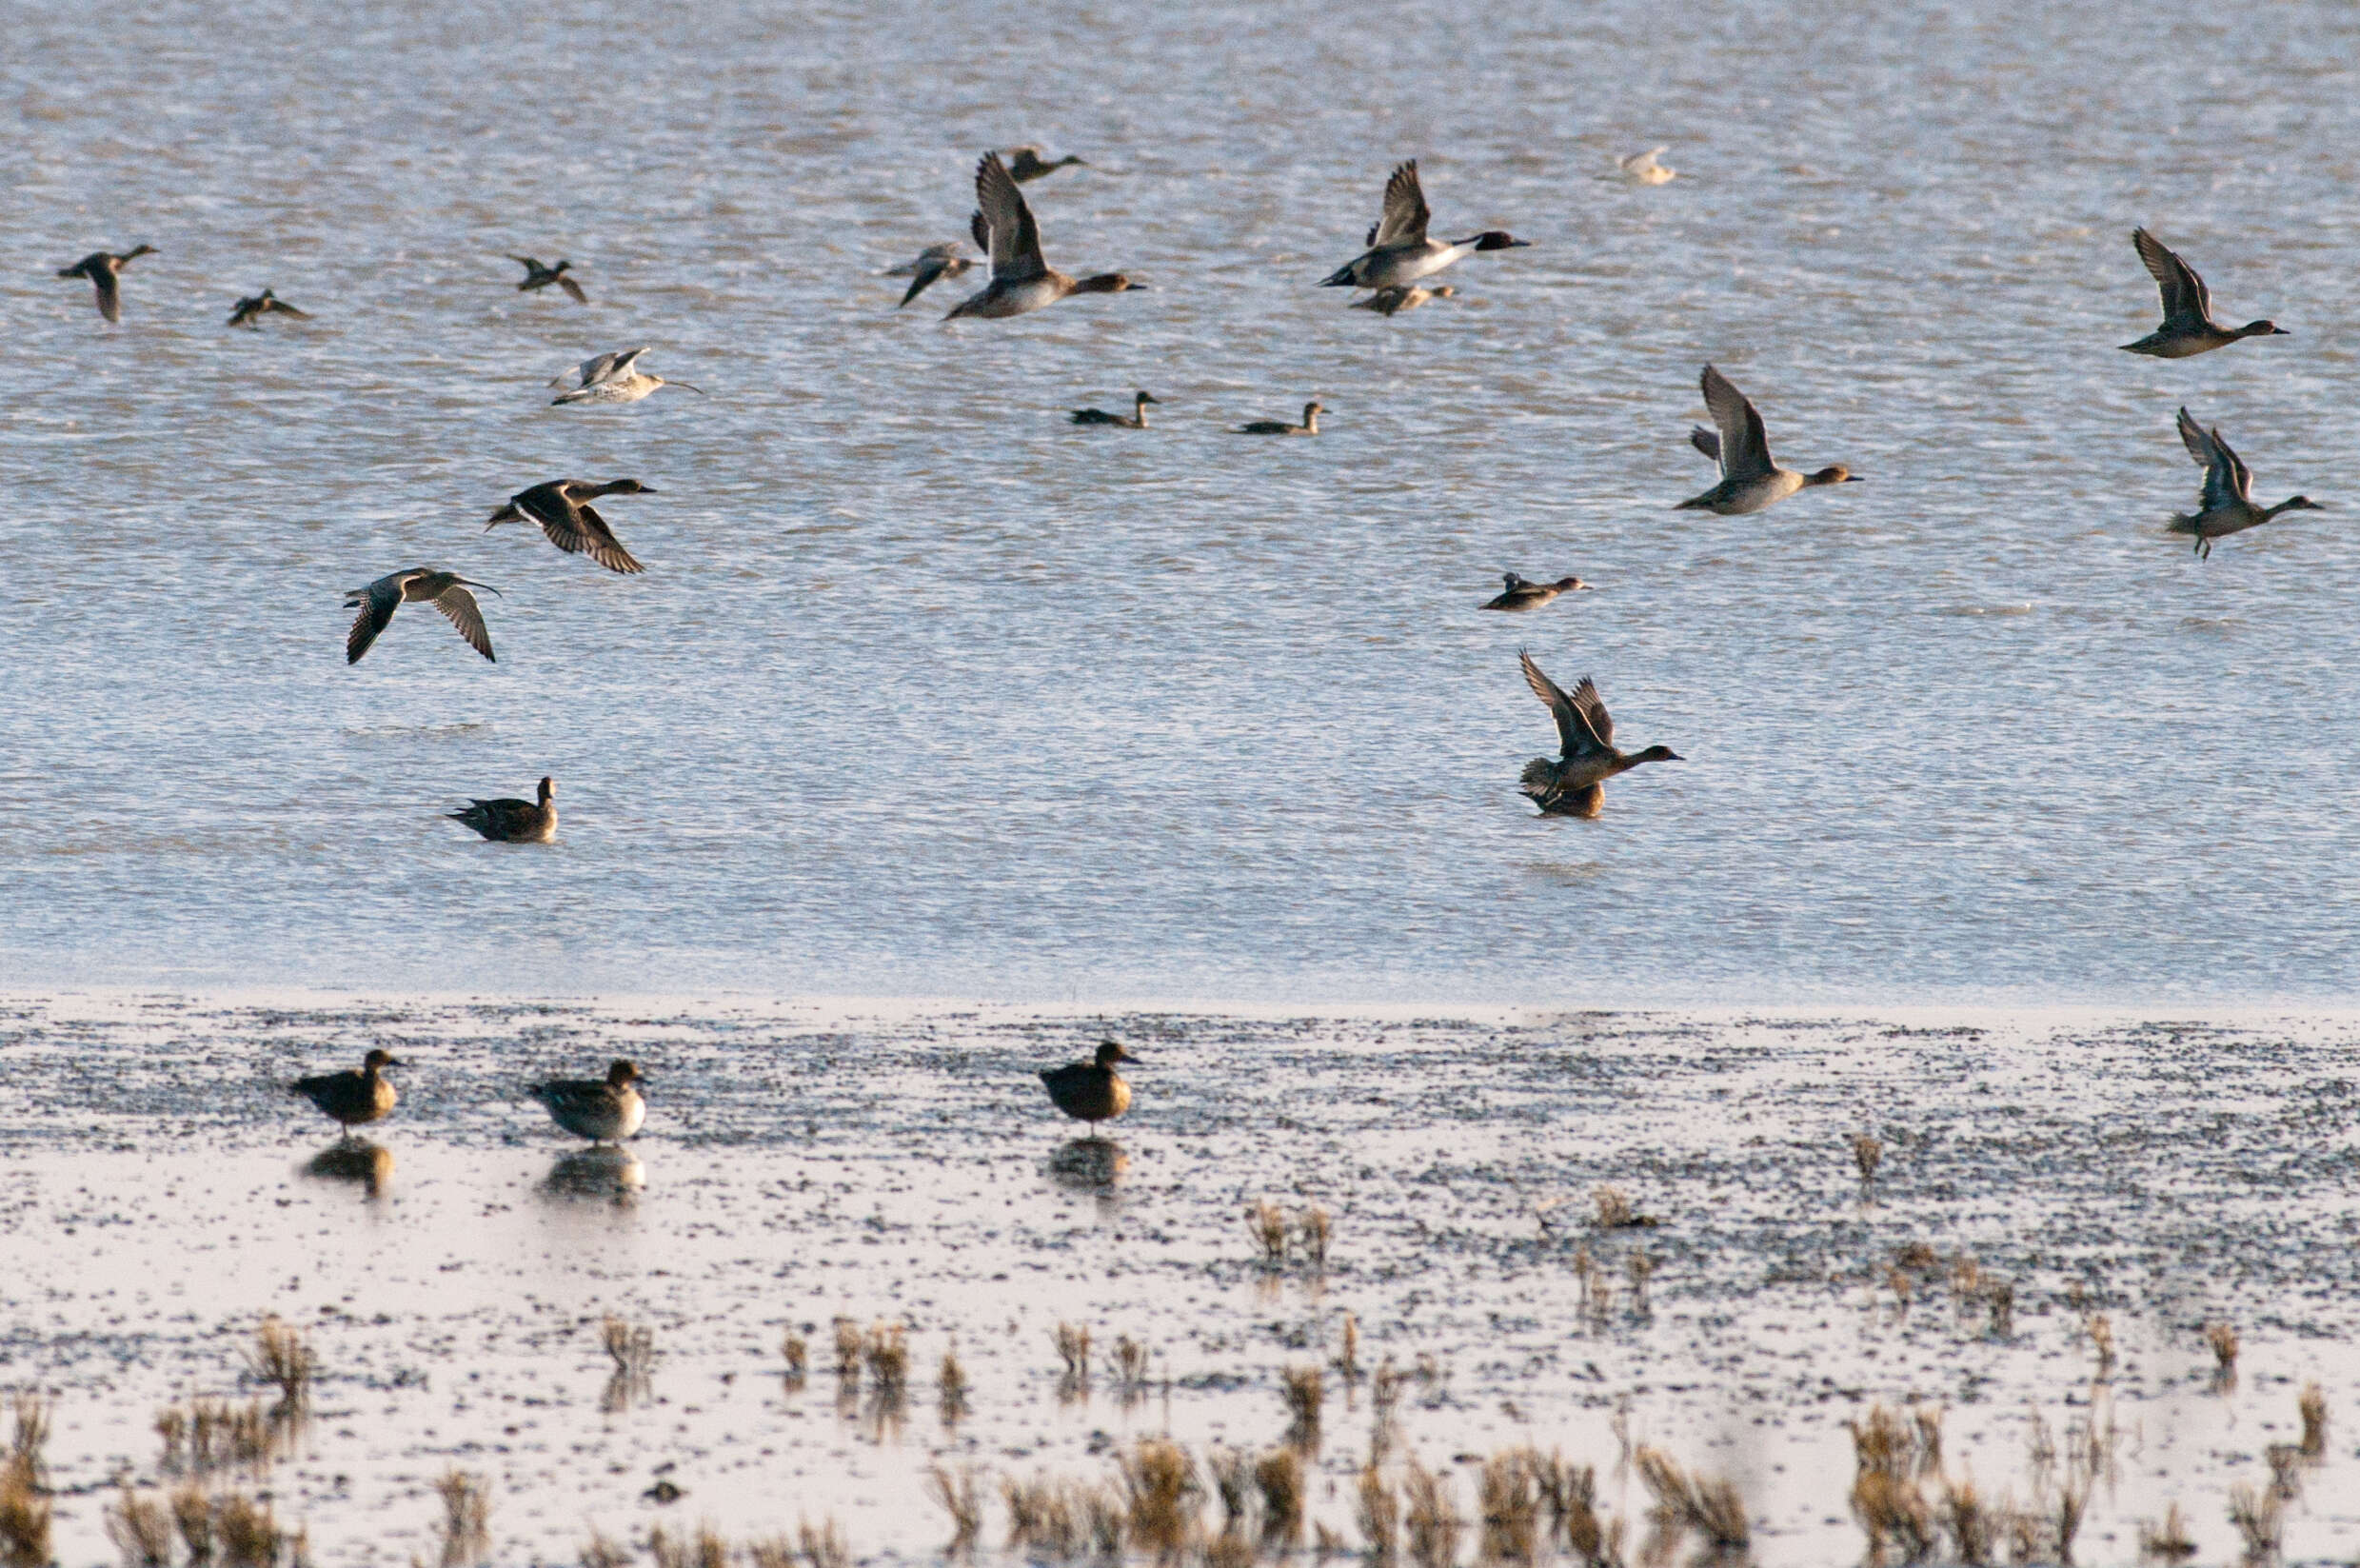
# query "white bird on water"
(612, 378)
(1642, 168)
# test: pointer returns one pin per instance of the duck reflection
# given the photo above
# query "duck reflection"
(614, 1174)
(355, 1162)
(1089, 1165)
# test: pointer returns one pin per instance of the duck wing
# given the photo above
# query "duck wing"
(377, 603)
(460, 607)
(925, 270)
(2226, 480)
(594, 537)
(285, 309)
(1706, 442)
(1744, 444)
(109, 292)
(572, 289)
(1014, 238)
(1405, 213)
(1574, 733)
(2185, 297)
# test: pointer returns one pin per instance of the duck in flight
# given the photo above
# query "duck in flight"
(1750, 479)
(1025, 164)
(2227, 506)
(1574, 784)
(1092, 1090)
(1135, 420)
(537, 276)
(563, 509)
(446, 591)
(1310, 426)
(100, 267)
(1392, 302)
(512, 821)
(604, 1110)
(1398, 251)
(250, 312)
(1523, 594)
(1004, 231)
(2187, 324)
(611, 378)
(352, 1098)
(947, 259)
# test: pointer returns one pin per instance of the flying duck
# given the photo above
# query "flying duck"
(1020, 280)
(1400, 297)
(1750, 479)
(2228, 505)
(250, 312)
(1398, 251)
(101, 267)
(947, 259)
(1523, 594)
(1025, 164)
(613, 378)
(1574, 784)
(2187, 324)
(537, 276)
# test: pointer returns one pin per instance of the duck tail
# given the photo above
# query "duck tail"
(2180, 525)
(1540, 777)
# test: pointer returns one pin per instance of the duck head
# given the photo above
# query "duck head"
(2263, 329)
(1496, 239)
(377, 1058)
(549, 789)
(1659, 754)
(1835, 473)
(1106, 283)
(1110, 1052)
(632, 486)
(621, 1075)
(1568, 584)
(138, 250)
(1145, 397)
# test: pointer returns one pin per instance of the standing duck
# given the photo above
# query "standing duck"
(563, 509)
(1025, 164)
(2228, 505)
(1574, 786)
(512, 821)
(446, 591)
(1022, 281)
(2187, 324)
(1523, 594)
(1392, 302)
(1091, 1091)
(250, 313)
(613, 378)
(947, 259)
(1398, 250)
(1750, 479)
(537, 276)
(100, 267)
(1310, 426)
(1135, 420)
(604, 1110)
(352, 1098)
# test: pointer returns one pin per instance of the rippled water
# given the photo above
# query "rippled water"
(925, 690)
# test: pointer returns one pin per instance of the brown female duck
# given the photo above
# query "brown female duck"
(1091, 1091)
(1574, 784)
(512, 821)
(352, 1098)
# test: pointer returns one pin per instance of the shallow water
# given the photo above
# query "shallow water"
(925, 691)
(803, 1163)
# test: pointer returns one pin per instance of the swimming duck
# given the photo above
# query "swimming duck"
(1091, 1091)
(1398, 251)
(604, 1110)
(2227, 506)
(352, 1098)
(250, 312)
(1025, 164)
(446, 591)
(947, 259)
(1750, 479)
(1642, 168)
(1005, 231)
(1135, 420)
(1310, 426)
(512, 821)
(611, 378)
(100, 267)
(2187, 324)
(1392, 302)
(1574, 786)
(537, 276)
(1523, 594)
(563, 509)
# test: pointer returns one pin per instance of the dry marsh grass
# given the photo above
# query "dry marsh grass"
(282, 1358)
(1431, 1522)
(2222, 1340)
(602, 1551)
(1867, 1153)
(2168, 1541)
(1073, 1350)
(1305, 1393)
(2312, 1404)
(247, 1532)
(1131, 1359)
(1348, 1357)
(705, 1549)
(798, 1357)
(1313, 1228)
(467, 1518)
(1162, 1492)
(2259, 1515)
(823, 1545)
(1706, 1505)
(959, 1494)
(1279, 1480)
(1377, 1512)
(140, 1528)
(951, 1388)
(1508, 1508)
(1265, 1221)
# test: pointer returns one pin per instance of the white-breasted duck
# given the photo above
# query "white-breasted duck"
(1522, 593)
(604, 1110)
(1135, 420)
(947, 259)
(2187, 324)
(102, 268)
(249, 311)
(2228, 505)
(1574, 783)
(537, 276)
(1310, 426)
(563, 509)
(1750, 479)
(446, 591)
(1398, 250)
(1022, 281)
(508, 819)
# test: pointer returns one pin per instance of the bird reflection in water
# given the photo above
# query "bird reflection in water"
(1089, 1165)
(614, 1174)
(356, 1161)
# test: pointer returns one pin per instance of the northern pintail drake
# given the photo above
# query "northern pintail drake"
(537, 276)
(1004, 230)
(2228, 505)
(446, 591)
(250, 312)
(512, 821)
(563, 509)
(2187, 324)
(1091, 1091)
(1135, 420)
(1642, 168)
(352, 1098)
(1398, 250)
(1408, 296)
(1574, 784)
(1310, 426)
(947, 259)
(100, 267)
(604, 1110)
(1025, 164)
(1750, 479)
(612, 378)
(1522, 593)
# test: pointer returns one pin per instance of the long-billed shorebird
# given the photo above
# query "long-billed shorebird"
(1574, 783)
(537, 276)
(563, 509)
(100, 267)
(2187, 324)
(947, 259)
(1022, 281)
(249, 311)
(1091, 1091)
(2228, 504)
(1750, 479)
(604, 1110)
(352, 1098)
(446, 591)
(612, 378)
(512, 821)
(1398, 250)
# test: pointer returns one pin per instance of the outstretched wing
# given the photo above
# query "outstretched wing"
(2185, 297)
(595, 539)
(1015, 239)
(377, 602)
(285, 309)
(1574, 735)
(924, 270)
(1405, 215)
(459, 605)
(1705, 441)
(2226, 477)
(573, 288)
(1745, 446)
(109, 294)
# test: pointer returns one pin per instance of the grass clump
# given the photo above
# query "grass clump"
(1378, 1513)
(1279, 1480)
(602, 1551)
(2313, 1406)
(1867, 1153)
(1130, 1369)
(1163, 1494)
(2168, 1540)
(1615, 1211)
(960, 1494)
(1313, 1228)
(951, 1388)
(1708, 1506)
(467, 1518)
(1508, 1508)
(1348, 1358)
(248, 1531)
(281, 1357)
(141, 1529)
(24, 1514)
(1267, 1222)
(2222, 1340)
(1430, 1517)
(797, 1361)
(1073, 1350)
(1305, 1393)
